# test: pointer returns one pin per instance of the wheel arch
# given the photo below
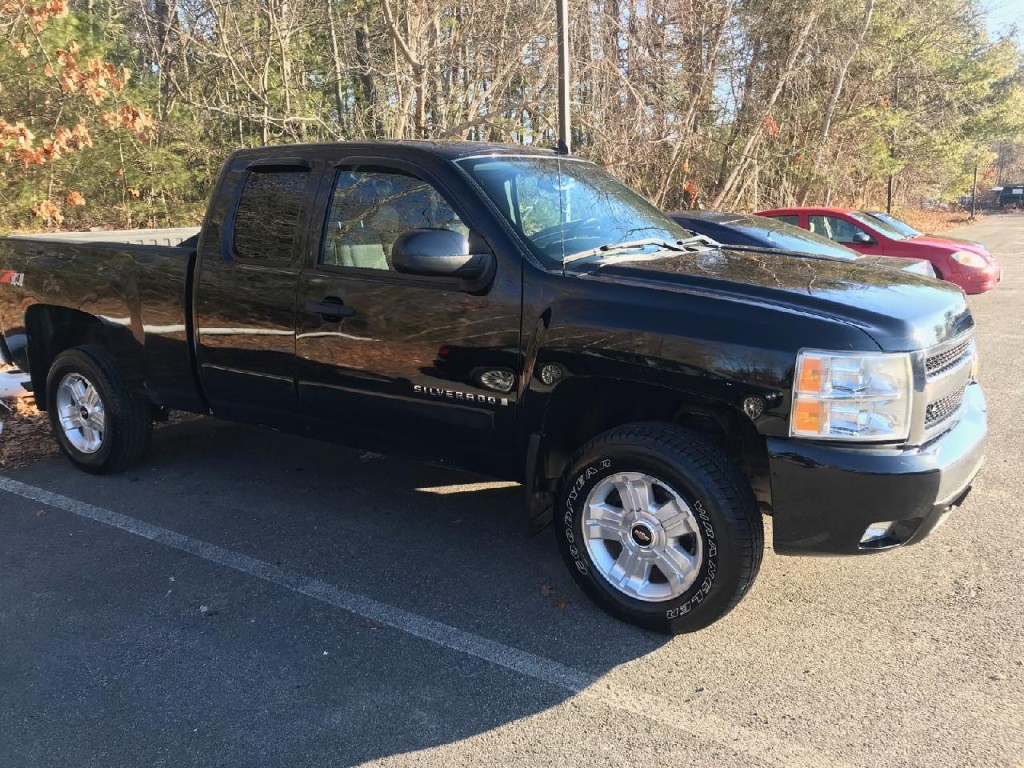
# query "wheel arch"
(51, 329)
(581, 408)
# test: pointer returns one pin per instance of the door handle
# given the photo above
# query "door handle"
(332, 309)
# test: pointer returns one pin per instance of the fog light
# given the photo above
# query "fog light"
(876, 532)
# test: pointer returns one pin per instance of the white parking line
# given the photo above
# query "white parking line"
(695, 722)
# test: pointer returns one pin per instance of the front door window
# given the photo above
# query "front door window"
(834, 228)
(371, 208)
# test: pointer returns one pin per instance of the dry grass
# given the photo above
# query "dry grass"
(25, 434)
(933, 222)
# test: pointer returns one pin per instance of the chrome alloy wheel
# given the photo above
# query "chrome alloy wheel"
(81, 413)
(642, 537)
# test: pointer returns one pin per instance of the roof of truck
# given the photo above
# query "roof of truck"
(452, 150)
(806, 209)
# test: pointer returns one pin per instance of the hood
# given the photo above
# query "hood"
(951, 244)
(913, 266)
(900, 311)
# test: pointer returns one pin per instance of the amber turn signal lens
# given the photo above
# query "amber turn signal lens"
(808, 416)
(810, 375)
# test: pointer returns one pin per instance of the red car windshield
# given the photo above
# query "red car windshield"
(892, 221)
(877, 224)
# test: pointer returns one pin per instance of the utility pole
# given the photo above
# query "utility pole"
(974, 189)
(564, 125)
(892, 142)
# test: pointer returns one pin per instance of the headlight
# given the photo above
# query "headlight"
(863, 396)
(921, 268)
(969, 259)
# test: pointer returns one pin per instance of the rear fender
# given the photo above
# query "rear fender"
(49, 330)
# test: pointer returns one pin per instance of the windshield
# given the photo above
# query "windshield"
(786, 237)
(875, 223)
(899, 226)
(565, 207)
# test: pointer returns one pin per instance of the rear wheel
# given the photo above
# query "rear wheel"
(99, 425)
(659, 527)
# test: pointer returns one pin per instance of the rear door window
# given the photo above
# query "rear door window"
(270, 214)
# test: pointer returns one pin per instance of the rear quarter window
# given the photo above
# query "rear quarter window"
(269, 214)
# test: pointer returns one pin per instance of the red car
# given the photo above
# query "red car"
(960, 262)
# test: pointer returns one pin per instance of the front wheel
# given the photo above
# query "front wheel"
(99, 425)
(658, 527)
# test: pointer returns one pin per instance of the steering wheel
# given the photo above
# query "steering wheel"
(570, 230)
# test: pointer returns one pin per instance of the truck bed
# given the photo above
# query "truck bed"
(172, 237)
(136, 282)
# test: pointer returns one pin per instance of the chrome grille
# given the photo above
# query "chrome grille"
(940, 410)
(946, 370)
(948, 359)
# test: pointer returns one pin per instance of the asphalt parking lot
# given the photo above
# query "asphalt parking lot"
(245, 598)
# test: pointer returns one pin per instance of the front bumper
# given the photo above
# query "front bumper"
(825, 497)
(979, 280)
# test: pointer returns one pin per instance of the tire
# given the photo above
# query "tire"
(683, 559)
(99, 425)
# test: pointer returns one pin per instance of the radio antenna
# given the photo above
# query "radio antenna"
(564, 125)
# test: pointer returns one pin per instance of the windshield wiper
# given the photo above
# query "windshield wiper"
(631, 245)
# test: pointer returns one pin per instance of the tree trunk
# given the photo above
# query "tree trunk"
(837, 90)
(757, 130)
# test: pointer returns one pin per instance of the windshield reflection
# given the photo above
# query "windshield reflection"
(892, 221)
(881, 226)
(565, 206)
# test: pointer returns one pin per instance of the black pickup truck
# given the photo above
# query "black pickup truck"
(524, 315)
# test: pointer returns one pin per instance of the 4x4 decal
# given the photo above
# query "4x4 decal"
(10, 277)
